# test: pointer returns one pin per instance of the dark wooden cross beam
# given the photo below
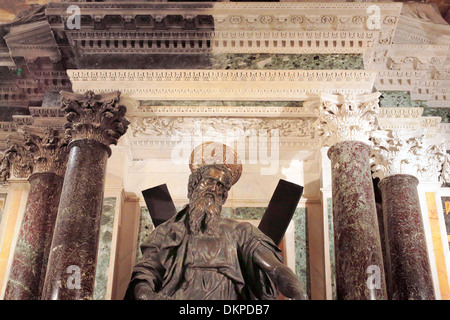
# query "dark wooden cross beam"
(274, 222)
(159, 204)
(280, 210)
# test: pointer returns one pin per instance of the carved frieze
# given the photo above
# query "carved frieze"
(91, 116)
(239, 128)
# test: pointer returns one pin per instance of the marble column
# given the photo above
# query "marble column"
(45, 155)
(394, 160)
(345, 123)
(94, 123)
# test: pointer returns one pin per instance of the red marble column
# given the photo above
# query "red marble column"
(33, 245)
(359, 259)
(408, 269)
(94, 122)
(44, 153)
(75, 242)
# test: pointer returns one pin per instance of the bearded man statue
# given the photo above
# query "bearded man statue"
(199, 255)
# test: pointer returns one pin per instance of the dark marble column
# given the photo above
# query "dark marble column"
(408, 269)
(33, 245)
(94, 122)
(359, 260)
(45, 156)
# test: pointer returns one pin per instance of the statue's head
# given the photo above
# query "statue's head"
(213, 178)
(207, 191)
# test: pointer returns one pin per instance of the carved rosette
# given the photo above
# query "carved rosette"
(347, 117)
(92, 116)
(34, 152)
(407, 153)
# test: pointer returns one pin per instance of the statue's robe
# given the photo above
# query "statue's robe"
(178, 265)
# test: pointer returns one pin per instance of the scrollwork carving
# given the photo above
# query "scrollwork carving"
(219, 127)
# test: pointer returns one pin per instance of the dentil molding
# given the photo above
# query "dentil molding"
(255, 85)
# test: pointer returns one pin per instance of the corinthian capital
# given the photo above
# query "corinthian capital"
(34, 151)
(91, 116)
(347, 117)
(406, 153)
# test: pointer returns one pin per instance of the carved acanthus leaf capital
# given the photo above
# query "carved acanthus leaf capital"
(34, 152)
(92, 116)
(406, 153)
(347, 117)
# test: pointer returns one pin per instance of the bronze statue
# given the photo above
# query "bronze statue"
(198, 254)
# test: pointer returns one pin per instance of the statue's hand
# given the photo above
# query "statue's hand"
(144, 291)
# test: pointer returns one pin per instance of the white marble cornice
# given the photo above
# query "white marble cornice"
(407, 119)
(255, 85)
(280, 9)
(240, 27)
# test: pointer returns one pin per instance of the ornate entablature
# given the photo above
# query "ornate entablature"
(417, 61)
(228, 27)
(32, 41)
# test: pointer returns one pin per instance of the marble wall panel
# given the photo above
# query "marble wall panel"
(104, 248)
(391, 99)
(331, 246)
(287, 61)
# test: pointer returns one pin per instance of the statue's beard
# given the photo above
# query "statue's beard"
(204, 213)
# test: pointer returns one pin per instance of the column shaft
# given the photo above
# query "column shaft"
(409, 274)
(359, 260)
(33, 246)
(72, 261)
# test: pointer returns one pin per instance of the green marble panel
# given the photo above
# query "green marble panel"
(302, 248)
(269, 61)
(444, 113)
(104, 248)
(331, 246)
(248, 213)
(391, 99)
(219, 103)
(145, 229)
